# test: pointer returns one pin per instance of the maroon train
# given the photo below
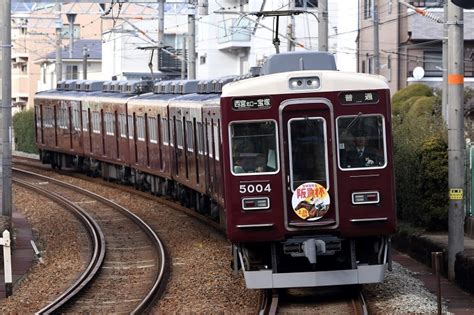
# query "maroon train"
(295, 162)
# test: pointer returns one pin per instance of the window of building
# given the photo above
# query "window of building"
(306, 4)
(76, 31)
(368, 6)
(370, 64)
(24, 69)
(72, 72)
(433, 63)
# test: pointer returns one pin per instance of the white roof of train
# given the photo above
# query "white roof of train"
(278, 83)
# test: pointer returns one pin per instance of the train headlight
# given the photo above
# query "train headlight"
(256, 203)
(306, 83)
(365, 197)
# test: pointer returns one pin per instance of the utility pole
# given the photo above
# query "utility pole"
(6, 112)
(323, 25)
(161, 31)
(183, 60)
(71, 17)
(85, 55)
(456, 142)
(191, 46)
(376, 41)
(444, 106)
(59, 30)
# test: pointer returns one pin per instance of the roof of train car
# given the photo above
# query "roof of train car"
(278, 83)
(60, 94)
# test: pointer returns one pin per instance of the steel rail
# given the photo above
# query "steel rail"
(98, 247)
(161, 277)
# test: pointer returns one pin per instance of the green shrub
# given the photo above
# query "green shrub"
(24, 128)
(420, 155)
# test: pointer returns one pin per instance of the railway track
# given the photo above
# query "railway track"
(325, 300)
(127, 267)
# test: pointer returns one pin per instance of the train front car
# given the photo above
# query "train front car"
(309, 189)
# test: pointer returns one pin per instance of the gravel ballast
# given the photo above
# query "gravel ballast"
(201, 279)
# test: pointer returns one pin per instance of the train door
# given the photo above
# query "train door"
(308, 153)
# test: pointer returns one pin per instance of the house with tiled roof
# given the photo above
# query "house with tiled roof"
(72, 63)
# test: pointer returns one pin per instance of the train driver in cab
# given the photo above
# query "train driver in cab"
(362, 155)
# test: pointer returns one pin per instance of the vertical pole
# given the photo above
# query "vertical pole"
(455, 135)
(59, 58)
(376, 41)
(444, 107)
(436, 265)
(161, 31)
(323, 25)
(183, 61)
(7, 263)
(291, 27)
(6, 110)
(71, 17)
(191, 46)
(85, 54)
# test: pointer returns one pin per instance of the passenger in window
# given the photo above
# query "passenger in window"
(362, 155)
(238, 168)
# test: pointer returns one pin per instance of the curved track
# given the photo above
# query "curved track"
(127, 268)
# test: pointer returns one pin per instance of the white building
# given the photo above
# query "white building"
(229, 38)
(72, 65)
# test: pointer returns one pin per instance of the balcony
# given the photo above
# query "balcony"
(234, 34)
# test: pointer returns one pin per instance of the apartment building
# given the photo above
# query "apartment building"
(34, 36)
(408, 40)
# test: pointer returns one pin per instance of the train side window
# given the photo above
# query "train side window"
(152, 130)
(179, 134)
(109, 124)
(190, 136)
(165, 131)
(123, 125)
(215, 128)
(76, 120)
(131, 134)
(38, 116)
(95, 122)
(199, 138)
(361, 142)
(140, 128)
(253, 147)
(85, 121)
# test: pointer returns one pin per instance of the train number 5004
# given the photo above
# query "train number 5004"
(255, 188)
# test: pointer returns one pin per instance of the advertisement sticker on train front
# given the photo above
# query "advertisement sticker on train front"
(249, 104)
(310, 201)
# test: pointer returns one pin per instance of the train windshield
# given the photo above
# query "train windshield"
(361, 141)
(254, 147)
(308, 158)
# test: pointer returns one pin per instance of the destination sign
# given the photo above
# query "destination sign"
(249, 104)
(349, 98)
